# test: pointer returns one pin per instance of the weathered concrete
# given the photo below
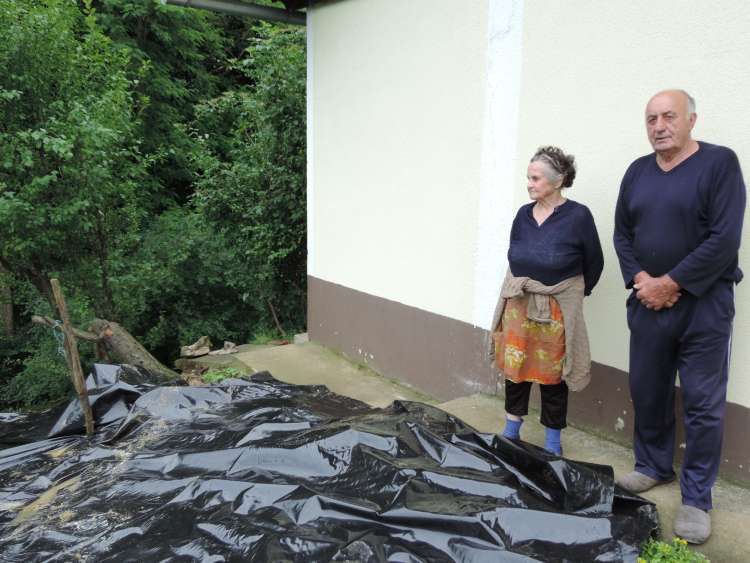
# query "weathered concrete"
(220, 361)
(309, 363)
(313, 364)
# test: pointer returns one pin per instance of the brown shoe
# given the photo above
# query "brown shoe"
(637, 482)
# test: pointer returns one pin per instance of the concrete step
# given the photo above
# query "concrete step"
(312, 364)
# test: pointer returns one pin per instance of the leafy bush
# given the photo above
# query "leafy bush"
(70, 164)
(178, 57)
(675, 552)
(41, 378)
(13, 353)
(266, 335)
(178, 287)
(44, 380)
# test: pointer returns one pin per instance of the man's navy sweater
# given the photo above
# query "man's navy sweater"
(566, 244)
(686, 222)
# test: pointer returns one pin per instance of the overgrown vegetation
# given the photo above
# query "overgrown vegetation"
(153, 159)
(220, 374)
(676, 552)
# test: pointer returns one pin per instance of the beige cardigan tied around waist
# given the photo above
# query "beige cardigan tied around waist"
(569, 295)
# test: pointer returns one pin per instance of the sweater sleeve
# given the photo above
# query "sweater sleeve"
(726, 208)
(623, 236)
(593, 257)
(514, 235)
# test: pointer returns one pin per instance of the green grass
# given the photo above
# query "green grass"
(269, 335)
(220, 374)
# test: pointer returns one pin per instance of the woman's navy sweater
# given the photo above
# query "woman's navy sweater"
(566, 244)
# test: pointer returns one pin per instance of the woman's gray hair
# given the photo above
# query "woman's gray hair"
(561, 166)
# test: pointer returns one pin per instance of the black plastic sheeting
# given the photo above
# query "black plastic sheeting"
(264, 471)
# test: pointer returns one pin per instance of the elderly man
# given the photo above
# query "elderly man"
(678, 225)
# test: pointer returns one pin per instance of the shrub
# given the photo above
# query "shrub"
(44, 380)
(37, 376)
(675, 552)
(178, 287)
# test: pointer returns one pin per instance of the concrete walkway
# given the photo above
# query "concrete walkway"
(312, 364)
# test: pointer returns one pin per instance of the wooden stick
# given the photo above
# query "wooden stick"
(74, 361)
(275, 318)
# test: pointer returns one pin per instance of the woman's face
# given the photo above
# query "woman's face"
(537, 182)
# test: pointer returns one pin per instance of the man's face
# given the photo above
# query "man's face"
(668, 122)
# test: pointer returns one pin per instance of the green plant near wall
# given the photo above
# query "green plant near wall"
(675, 552)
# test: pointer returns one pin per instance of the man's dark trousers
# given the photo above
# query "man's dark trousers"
(694, 338)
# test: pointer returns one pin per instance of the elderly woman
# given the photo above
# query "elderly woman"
(539, 335)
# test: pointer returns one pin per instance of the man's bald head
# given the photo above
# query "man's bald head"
(670, 117)
(678, 93)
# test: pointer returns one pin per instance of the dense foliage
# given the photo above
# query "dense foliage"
(153, 159)
(252, 187)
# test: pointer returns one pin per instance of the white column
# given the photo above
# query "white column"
(499, 149)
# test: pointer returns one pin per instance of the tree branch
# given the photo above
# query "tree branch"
(82, 334)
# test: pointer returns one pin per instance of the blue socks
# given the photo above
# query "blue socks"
(552, 441)
(512, 429)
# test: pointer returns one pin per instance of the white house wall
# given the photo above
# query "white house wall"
(399, 106)
(588, 70)
(422, 116)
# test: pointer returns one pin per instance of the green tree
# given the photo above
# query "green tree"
(183, 54)
(70, 164)
(153, 158)
(252, 186)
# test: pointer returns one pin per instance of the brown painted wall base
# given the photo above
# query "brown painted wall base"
(447, 359)
(434, 353)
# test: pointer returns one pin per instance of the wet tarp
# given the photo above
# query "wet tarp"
(264, 471)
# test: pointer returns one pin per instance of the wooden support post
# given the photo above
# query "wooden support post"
(74, 361)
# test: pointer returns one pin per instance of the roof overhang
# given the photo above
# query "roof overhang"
(291, 14)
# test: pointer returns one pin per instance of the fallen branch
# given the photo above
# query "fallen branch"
(82, 334)
(116, 344)
(123, 348)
